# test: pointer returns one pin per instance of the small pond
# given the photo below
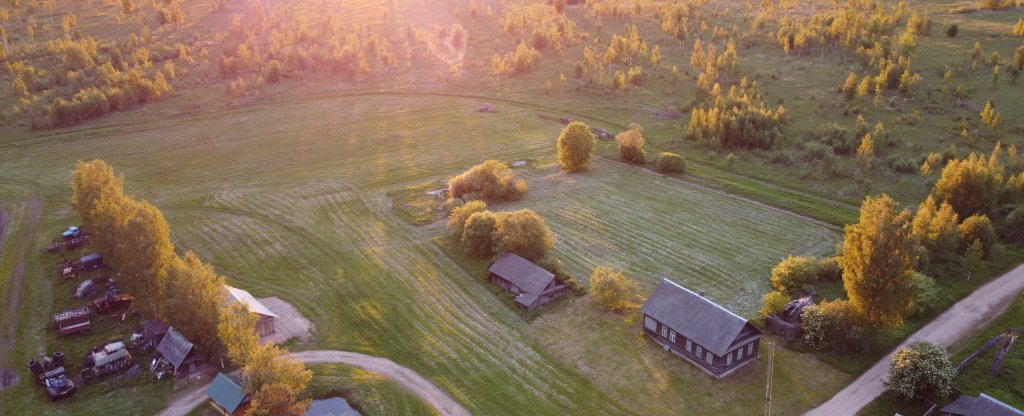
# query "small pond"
(335, 406)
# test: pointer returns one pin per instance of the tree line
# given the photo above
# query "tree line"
(184, 291)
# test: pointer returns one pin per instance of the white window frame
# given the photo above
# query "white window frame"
(728, 359)
(672, 336)
(739, 353)
(699, 350)
(750, 348)
(708, 357)
(664, 331)
(689, 346)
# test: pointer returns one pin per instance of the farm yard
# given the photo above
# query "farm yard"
(304, 148)
(307, 220)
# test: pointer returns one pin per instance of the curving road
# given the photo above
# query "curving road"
(959, 321)
(421, 387)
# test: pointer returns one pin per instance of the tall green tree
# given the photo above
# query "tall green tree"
(523, 232)
(196, 297)
(575, 147)
(237, 332)
(90, 182)
(971, 185)
(879, 254)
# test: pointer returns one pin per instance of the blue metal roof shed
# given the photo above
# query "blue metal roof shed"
(227, 392)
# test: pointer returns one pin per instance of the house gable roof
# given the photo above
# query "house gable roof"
(174, 347)
(227, 392)
(522, 272)
(239, 295)
(694, 317)
(983, 405)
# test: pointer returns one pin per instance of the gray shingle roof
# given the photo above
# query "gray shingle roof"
(694, 317)
(523, 273)
(227, 392)
(174, 347)
(980, 406)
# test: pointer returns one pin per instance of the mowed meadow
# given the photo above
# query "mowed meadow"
(289, 199)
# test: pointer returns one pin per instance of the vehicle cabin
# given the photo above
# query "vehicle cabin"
(179, 352)
(983, 405)
(265, 319)
(532, 286)
(699, 330)
(71, 232)
(227, 395)
(91, 262)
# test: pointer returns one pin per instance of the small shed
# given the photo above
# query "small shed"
(532, 285)
(153, 332)
(265, 317)
(91, 262)
(179, 352)
(699, 330)
(983, 405)
(227, 395)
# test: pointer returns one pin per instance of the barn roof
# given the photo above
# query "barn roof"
(983, 405)
(227, 392)
(239, 295)
(174, 347)
(522, 272)
(695, 317)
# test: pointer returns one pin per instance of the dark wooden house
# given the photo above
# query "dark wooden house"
(699, 330)
(532, 285)
(264, 317)
(179, 352)
(982, 405)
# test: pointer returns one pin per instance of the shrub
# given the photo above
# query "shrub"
(612, 291)
(274, 71)
(668, 162)
(794, 275)
(478, 232)
(926, 295)
(491, 180)
(631, 145)
(953, 30)
(922, 370)
(774, 302)
(730, 161)
(832, 326)
(838, 138)
(977, 228)
(829, 269)
(575, 147)
(1013, 228)
(458, 216)
(523, 232)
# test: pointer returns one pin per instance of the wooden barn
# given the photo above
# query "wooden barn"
(533, 286)
(699, 330)
(265, 318)
(179, 352)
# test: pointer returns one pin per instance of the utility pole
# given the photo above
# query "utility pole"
(768, 387)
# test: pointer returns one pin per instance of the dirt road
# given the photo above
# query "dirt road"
(960, 321)
(423, 388)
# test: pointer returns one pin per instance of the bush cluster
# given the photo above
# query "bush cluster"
(491, 181)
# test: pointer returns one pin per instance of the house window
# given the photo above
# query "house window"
(707, 357)
(664, 331)
(728, 359)
(699, 351)
(672, 336)
(650, 324)
(750, 348)
(689, 346)
(739, 353)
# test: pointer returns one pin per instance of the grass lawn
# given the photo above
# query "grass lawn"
(977, 378)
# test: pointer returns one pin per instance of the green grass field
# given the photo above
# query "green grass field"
(300, 193)
(651, 227)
